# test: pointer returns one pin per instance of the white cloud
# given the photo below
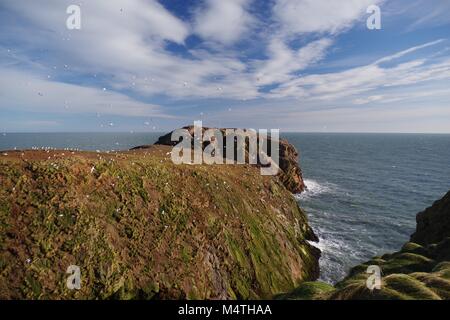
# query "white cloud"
(354, 81)
(25, 91)
(223, 21)
(125, 42)
(368, 99)
(114, 18)
(415, 94)
(284, 61)
(408, 51)
(304, 16)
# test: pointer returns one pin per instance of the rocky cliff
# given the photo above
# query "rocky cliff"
(139, 226)
(290, 173)
(420, 270)
(433, 224)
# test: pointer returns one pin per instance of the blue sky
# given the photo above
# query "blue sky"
(296, 65)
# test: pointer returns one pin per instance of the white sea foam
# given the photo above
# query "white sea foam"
(314, 188)
(333, 249)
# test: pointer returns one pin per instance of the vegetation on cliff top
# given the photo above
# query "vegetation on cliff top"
(139, 226)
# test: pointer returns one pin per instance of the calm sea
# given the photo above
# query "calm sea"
(364, 190)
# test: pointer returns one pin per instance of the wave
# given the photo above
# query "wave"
(337, 251)
(337, 255)
(314, 188)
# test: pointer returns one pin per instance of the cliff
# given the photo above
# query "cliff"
(420, 270)
(290, 173)
(139, 226)
(433, 224)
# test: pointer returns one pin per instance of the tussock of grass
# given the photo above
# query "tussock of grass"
(409, 287)
(406, 276)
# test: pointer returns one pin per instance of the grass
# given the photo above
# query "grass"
(308, 291)
(407, 275)
(140, 227)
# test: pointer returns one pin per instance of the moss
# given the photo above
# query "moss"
(407, 263)
(308, 291)
(149, 290)
(361, 269)
(357, 290)
(33, 285)
(443, 269)
(193, 294)
(186, 254)
(411, 247)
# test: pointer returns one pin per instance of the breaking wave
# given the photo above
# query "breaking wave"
(314, 188)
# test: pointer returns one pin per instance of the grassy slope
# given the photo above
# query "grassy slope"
(414, 273)
(142, 227)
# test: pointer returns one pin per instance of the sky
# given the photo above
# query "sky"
(293, 65)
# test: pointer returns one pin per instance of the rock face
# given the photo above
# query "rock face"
(420, 270)
(433, 224)
(139, 226)
(290, 173)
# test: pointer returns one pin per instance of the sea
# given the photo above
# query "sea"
(364, 190)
